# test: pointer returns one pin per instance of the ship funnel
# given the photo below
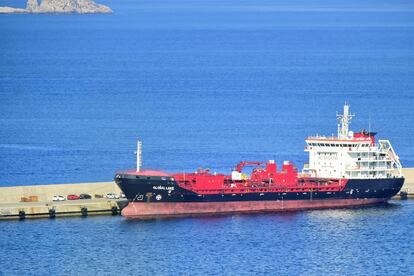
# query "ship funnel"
(139, 155)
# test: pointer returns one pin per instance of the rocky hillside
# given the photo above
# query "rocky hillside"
(59, 6)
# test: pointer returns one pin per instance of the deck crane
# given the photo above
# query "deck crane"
(242, 164)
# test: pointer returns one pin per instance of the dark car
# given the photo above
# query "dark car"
(85, 196)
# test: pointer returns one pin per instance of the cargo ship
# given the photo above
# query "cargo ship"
(350, 169)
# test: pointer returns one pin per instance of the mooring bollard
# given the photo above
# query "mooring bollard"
(84, 211)
(22, 215)
(114, 210)
(52, 213)
(403, 195)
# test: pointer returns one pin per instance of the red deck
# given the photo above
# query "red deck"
(262, 179)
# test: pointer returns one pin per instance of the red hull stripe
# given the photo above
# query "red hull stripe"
(170, 209)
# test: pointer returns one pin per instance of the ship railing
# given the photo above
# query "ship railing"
(127, 171)
(275, 188)
(374, 159)
(131, 171)
(372, 168)
(334, 138)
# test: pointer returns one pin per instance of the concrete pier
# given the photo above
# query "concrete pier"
(12, 207)
(408, 186)
(46, 192)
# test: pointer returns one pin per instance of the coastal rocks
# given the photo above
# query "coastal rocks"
(59, 6)
(12, 10)
(32, 5)
(70, 6)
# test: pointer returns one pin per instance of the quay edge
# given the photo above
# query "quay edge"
(11, 206)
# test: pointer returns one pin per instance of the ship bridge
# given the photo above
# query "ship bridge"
(351, 155)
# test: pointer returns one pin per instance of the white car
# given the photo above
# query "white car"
(58, 198)
(112, 196)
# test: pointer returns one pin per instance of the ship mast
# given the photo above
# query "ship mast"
(139, 155)
(344, 121)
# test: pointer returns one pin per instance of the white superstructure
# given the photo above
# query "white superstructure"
(351, 155)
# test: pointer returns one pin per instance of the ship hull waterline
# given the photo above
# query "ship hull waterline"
(151, 210)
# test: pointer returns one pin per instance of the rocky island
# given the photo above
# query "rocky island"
(59, 6)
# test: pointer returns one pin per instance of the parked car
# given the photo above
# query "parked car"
(123, 195)
(72, 197)
(58, 198)
(85, 196)
(112, 196)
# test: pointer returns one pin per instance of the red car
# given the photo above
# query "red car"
(72, 197)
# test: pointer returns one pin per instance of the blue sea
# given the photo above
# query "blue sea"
(366, 241)
(202, 84)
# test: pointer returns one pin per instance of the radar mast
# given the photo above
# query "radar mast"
(344, 121)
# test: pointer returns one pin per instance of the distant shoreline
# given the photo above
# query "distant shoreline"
(12, 10)
(58, 6)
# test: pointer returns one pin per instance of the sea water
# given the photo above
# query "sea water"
(363, 241)
(202, 84)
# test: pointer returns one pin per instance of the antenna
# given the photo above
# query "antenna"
(139, 155)
(369, 122)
